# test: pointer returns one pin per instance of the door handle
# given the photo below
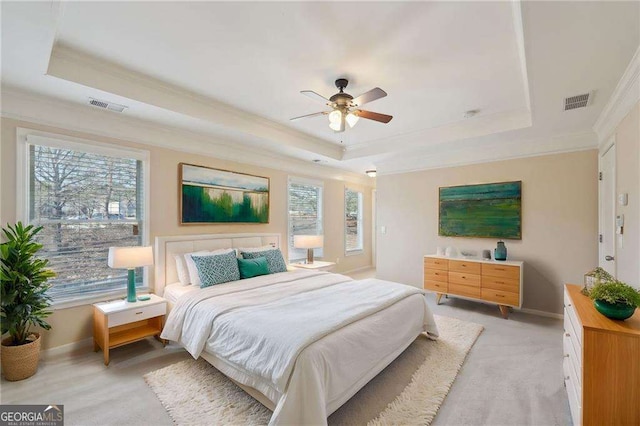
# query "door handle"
(609, 258)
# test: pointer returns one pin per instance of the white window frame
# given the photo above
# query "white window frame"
(25, 138)
(360, 249)
(304, 181)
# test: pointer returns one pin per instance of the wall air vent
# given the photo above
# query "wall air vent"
(106, 105)
(578, 101)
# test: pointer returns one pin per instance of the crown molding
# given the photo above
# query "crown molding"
(435, 158)
(46, 111)
(470, 128)
(623, 99)
(81, 68)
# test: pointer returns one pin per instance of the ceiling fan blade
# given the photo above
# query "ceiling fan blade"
(383, 118)
(369, 96)
(315, 114)
(316, 97)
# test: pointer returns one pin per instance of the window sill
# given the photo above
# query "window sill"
(353, 252)
(94, 298)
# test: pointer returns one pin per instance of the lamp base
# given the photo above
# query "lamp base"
(131, 286)
(309, 256)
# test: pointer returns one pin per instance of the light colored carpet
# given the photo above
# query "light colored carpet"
(409, 391)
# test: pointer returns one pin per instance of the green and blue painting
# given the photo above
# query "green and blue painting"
(491, 210)
(220, 196)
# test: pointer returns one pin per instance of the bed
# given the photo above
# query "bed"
(300, 342)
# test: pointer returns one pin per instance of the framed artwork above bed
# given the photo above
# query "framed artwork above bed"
(490, 210)
(209, 195)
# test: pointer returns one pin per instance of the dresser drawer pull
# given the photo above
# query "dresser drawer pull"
(566, 377)
(499, 282)
(463, 277)
(498, 269)
(463, 265)
(138, 313)
(566, 355)
(499, 295)
(567, 335)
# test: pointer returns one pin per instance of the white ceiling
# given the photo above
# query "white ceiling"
(232, 72)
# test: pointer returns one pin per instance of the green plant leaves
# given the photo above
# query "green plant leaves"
(23, 283)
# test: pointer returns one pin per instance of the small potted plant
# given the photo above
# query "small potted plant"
(598, 275)
(615, 299)
(24, 300)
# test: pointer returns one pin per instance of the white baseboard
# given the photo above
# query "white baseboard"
(541, 313)
(353, 271)
(84, 345)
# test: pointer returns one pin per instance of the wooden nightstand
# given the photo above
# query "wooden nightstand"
(316, 265)
(119, 322)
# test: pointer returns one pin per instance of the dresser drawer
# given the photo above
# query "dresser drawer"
(501, 297)
(464, 278)
(463, 266)
(132, 315)
(438, 286)
(572, 318)
(501, 271)
(464, 290)
(575, 359)
(433, 263)
(504, 284)
(436, 275)
(573, 392)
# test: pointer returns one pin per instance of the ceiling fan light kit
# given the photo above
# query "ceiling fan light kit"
(345, 108)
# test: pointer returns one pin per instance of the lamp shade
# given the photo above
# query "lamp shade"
(130, 257)
(308, 241)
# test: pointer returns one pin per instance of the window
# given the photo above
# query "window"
(305, 214)
(87, 198)
(353, 220)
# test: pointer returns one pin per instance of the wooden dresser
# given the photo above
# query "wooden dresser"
(601, 363)
(487, 280)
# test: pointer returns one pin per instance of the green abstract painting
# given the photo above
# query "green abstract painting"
(492, 210)
(220, 196)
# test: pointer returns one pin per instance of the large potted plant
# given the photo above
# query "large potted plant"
(24, 300)
(615, 299)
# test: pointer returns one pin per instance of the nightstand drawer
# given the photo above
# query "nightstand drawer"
(136, 314)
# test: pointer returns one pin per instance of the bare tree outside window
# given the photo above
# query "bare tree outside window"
(353, 220)
(86, 203)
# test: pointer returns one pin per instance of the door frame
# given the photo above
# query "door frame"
(602, 221)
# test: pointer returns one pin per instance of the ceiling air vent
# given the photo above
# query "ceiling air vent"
(106, 105)
(578, 101)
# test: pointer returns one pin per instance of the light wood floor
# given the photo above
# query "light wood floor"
(512, 376)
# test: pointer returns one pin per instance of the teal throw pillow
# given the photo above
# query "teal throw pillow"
(250, 268)
(274, 259)
(217, 268)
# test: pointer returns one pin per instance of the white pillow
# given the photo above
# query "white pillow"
(181, 269)
(194, 278)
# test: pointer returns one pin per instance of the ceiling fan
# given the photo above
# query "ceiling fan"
(345, 108)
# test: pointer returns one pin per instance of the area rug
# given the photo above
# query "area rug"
(408, 392)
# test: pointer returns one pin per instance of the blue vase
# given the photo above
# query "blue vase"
(500, 252)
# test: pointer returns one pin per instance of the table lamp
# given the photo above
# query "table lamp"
(130, 258)
(309, 242)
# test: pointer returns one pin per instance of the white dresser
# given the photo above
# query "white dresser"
(601, 363)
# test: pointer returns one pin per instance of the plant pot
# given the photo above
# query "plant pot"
(20, 362)
(617, 311)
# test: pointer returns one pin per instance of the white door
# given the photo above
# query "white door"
(607, 201)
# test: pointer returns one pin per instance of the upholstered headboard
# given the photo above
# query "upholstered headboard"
(168, 247)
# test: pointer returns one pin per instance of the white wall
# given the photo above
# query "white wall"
(627, 139)
(559, 221)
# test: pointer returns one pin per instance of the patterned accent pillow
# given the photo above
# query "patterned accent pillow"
(274, 259)
(217, 269)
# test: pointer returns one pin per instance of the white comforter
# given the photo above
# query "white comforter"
(261, 325)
